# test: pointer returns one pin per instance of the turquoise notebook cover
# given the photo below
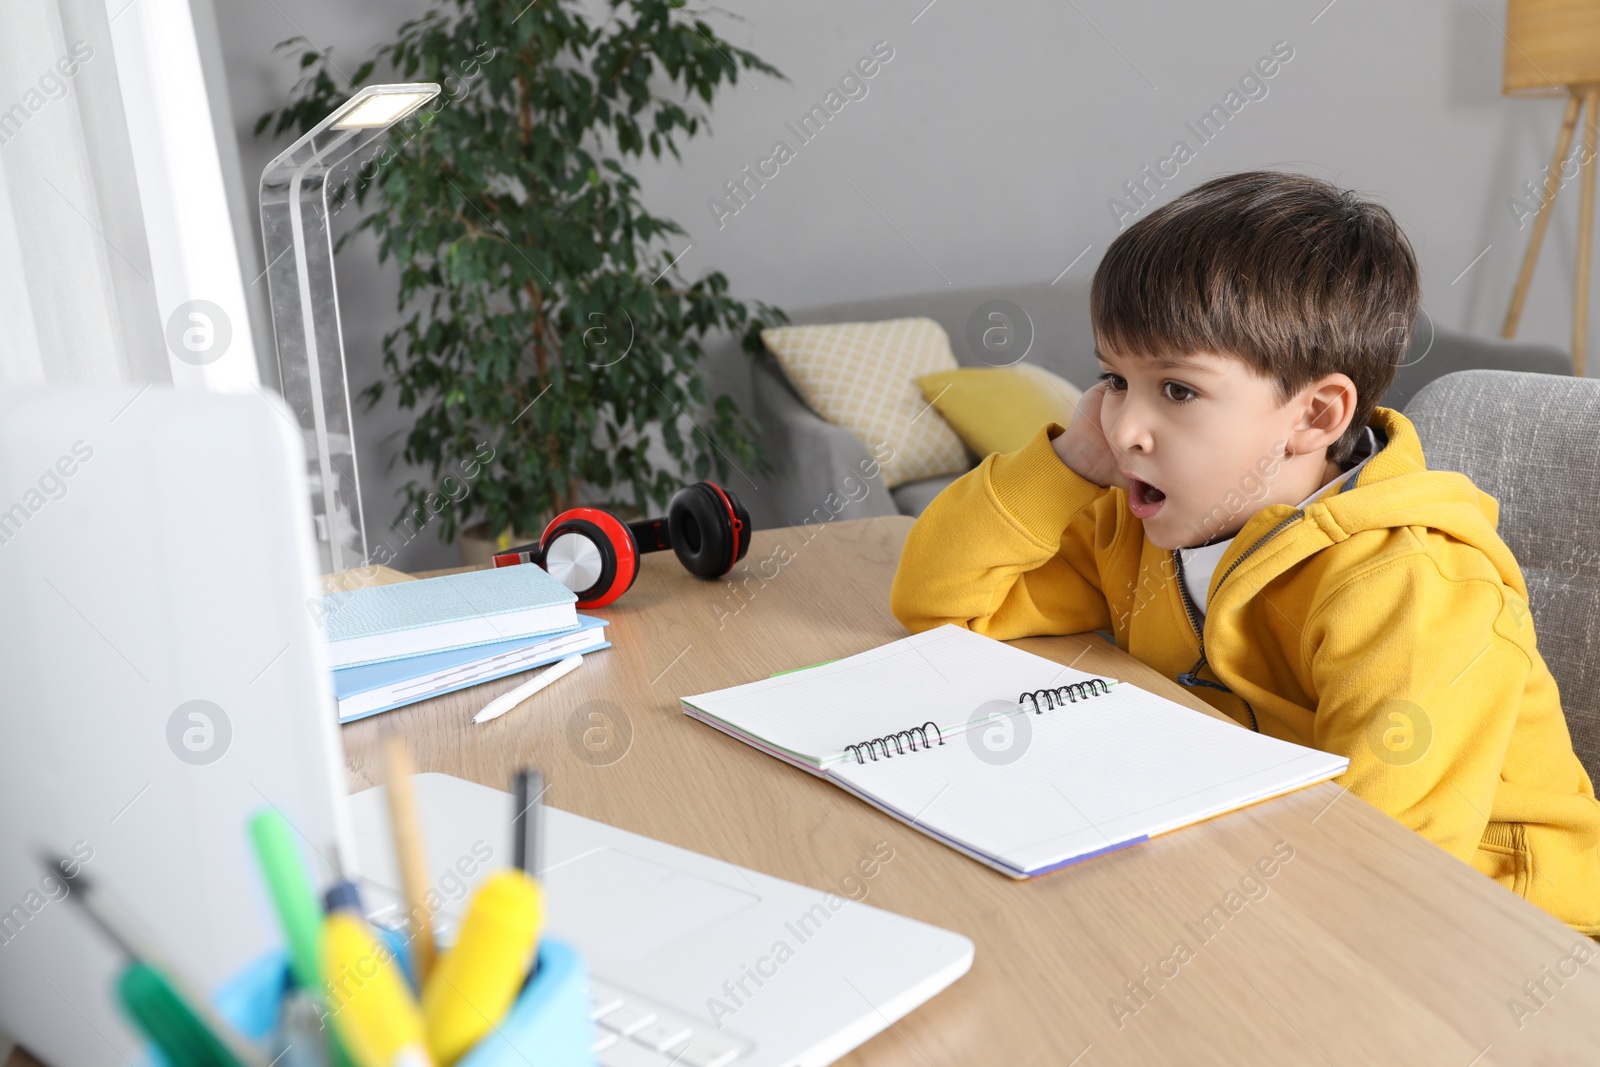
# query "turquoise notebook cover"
(387, 609)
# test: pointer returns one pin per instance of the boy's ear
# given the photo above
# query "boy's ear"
(1326, 407)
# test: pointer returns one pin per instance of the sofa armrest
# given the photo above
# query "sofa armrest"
(821, 471)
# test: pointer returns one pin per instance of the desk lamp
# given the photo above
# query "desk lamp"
(298, 240)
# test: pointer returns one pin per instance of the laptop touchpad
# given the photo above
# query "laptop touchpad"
(617, 904)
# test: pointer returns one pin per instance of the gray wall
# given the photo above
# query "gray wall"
(986, 150)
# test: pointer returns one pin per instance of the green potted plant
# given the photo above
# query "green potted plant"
(546, 343)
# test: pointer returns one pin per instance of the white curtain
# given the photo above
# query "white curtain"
(77, 301)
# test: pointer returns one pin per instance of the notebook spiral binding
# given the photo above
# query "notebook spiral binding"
(1061, 695)
(904, 741)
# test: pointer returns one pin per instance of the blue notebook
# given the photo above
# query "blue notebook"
(386, 622)
(380, 687)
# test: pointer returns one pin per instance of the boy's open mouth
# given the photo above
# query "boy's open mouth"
(1144, 499)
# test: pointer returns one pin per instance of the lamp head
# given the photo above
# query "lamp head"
(378, 107)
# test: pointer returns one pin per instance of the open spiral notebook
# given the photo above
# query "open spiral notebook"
(1008, 757)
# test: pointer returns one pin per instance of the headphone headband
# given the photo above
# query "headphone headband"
(651, 534)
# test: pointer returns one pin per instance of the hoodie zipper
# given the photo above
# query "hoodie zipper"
(1191, 677)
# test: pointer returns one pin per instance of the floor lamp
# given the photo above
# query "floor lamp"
(1553, 48)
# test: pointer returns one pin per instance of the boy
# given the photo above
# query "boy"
(1231, 503)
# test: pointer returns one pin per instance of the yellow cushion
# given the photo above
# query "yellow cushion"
(862, 376)
(997, 409)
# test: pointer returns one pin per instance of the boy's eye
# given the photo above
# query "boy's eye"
(1176, 392)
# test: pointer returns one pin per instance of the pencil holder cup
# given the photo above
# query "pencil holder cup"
(548, 1024)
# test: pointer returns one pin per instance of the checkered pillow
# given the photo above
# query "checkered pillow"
(863, 376)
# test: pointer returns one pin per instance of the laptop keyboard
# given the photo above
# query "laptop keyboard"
(632, 1032)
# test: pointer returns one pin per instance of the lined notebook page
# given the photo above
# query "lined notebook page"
(1093, 775)
(944, 675)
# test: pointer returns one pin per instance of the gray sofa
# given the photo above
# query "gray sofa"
(818, 467)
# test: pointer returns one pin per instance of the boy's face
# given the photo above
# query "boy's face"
(1201, 440)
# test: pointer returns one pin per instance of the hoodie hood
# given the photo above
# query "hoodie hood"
(1394, 489)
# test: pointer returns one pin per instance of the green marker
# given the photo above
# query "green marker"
(292, 894)
(299, 910)
(168, 1021)
(183, 1025)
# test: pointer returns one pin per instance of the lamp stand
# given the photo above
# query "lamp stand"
(1586, 98)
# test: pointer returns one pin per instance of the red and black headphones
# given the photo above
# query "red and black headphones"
(596, 554)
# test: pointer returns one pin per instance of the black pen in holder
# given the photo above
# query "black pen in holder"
(527, 829)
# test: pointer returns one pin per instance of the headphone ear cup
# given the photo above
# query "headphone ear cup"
(591, 552)
(628, 545)
(743, 515)
(698, 540)
(734, 522)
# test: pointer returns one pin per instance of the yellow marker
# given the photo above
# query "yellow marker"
(372, 1009)
(477, 981)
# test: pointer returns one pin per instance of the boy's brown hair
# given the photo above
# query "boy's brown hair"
(1293, 275)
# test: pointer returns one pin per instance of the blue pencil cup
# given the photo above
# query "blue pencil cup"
(549, 1023)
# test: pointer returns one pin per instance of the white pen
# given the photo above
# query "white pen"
(506, 701)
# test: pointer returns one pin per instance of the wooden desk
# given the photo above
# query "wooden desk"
(1369, 946)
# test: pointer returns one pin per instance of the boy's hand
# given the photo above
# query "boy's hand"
(1083, 446)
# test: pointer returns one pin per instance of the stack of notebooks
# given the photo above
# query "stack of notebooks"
(392, 645)
(1010, 758)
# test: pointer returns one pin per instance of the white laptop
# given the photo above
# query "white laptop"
(164, 679)
(694, 961)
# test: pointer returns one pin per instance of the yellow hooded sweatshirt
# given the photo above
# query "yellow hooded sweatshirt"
(1386, 622)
